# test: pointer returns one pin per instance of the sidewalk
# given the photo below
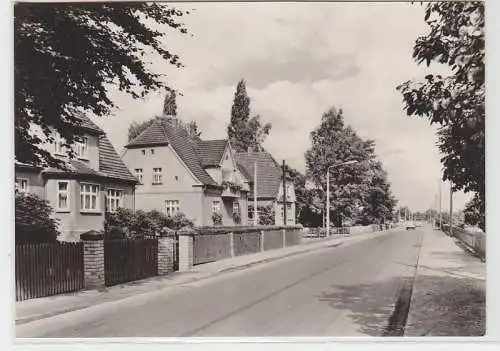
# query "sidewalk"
(35, 309)
(448, 296)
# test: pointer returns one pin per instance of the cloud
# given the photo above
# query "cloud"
(294, 67)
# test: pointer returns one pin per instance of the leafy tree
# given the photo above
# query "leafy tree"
(334, 143)
(474, 213)
(378, 203)
(192, 129)
(170, 104)
(245, 132)
(169, 111)
(67, 55)
(34, 221)
(455, 102)
(137, 128)
(307, 211)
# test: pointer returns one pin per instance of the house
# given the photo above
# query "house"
(94, 182)
(269, 188)
(179, 173)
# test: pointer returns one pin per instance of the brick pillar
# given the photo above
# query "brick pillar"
(186, 250)
(284, 237)
(93, 259)
(261, 241)
(231, 243)
(166, 242)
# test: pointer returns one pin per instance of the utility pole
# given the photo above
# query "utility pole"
(451, 209)
(255, 213)
(284, 194)
(440, 207)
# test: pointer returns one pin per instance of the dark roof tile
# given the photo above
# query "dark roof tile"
(110, 163)
(269, 174)
(168, 131)
(210, 152)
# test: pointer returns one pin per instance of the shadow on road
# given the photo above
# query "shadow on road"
(445, 306)
(370, 306)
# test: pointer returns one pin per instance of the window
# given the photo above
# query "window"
(114, 199)
(144, 152)
(157, 175)
(138, 174)
(152, 151)
(236, 207)
(62, 189)
(215, 206)
(89, 197)
(289, 213)
(21, 185)
(59, 145)
(172, 207)
(82, 148)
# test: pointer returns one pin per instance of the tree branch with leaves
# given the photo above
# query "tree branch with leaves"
(68, 54)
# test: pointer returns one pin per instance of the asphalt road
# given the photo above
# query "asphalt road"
(347, 290)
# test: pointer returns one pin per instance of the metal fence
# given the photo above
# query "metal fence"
(48, 269)
(130, 260)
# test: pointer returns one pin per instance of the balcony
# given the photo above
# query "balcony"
(230, 190)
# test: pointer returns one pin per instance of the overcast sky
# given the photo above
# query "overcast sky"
(299, 60)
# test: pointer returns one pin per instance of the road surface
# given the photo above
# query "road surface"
(347, 290)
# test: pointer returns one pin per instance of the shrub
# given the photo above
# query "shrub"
(237, 217)
(266, 215)
(217, 218)
(34, 221)
(124, 223)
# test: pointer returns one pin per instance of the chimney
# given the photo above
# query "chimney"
(249, 149)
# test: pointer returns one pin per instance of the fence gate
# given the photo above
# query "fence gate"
(48, 269)
(129, 260)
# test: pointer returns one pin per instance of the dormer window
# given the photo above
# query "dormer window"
(82, 148)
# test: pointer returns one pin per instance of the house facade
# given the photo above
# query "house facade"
(94, 182)
(178, 173)
(269, 189)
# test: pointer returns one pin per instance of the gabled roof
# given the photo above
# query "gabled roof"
(110, 163)
(210, 152)
(87, 125)
(269, 175)
(165, 131)
(153, 135)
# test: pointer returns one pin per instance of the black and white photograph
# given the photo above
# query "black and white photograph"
(248, 169)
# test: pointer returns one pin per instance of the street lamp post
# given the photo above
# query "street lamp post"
(328, 192)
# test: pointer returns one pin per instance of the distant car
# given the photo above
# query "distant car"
(410, 226)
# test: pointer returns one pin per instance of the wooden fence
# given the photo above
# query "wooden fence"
(48, 269)
(129, 260)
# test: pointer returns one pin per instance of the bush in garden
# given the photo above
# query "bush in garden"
(217, 218)
(125, 223)
(237, 217)
(266, 215)
(34, 221)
